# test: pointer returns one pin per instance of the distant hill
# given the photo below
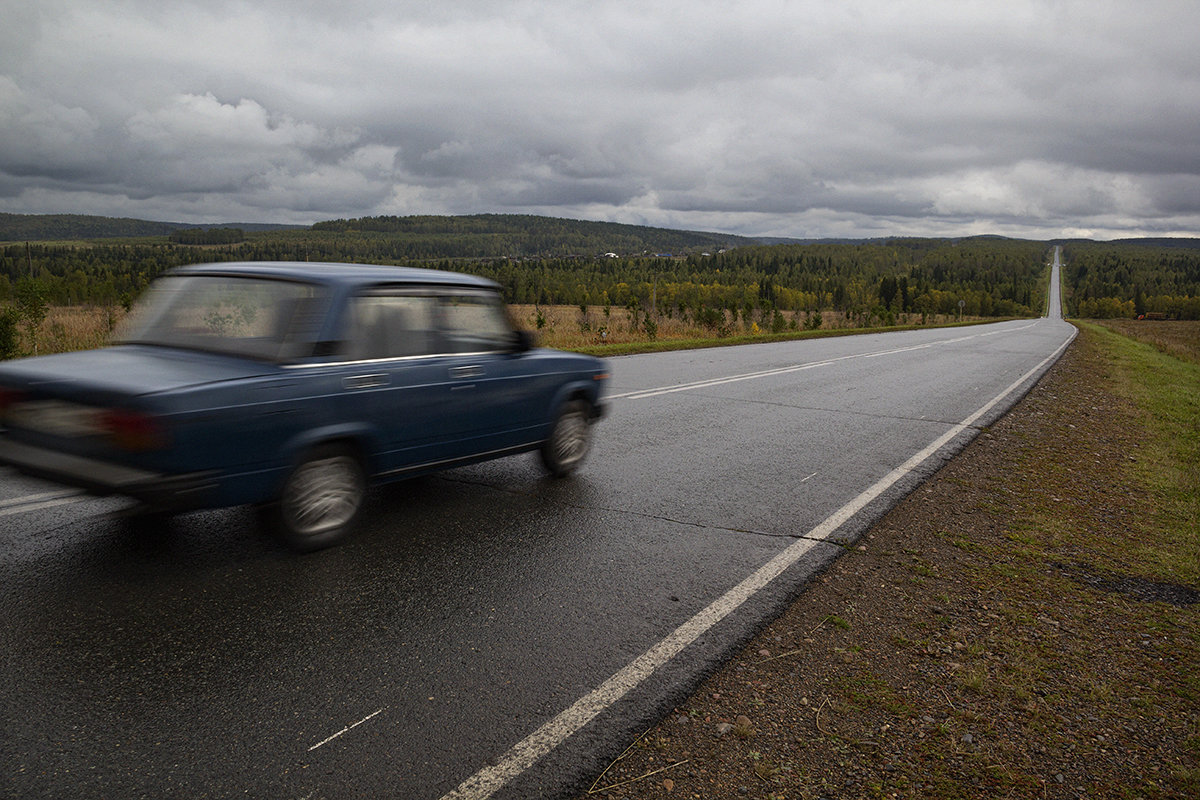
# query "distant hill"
(470, 236)
(773, 240)
(44, 227)
(1166, 241)
(1160, 242)
(52, 227)
(525, 235)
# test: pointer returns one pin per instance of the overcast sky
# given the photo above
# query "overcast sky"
(1032, 118)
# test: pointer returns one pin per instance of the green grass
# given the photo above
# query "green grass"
(1166, 390)
(1053, 641)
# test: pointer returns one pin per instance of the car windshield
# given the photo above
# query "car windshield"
(260, 318)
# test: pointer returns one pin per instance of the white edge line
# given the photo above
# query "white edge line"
(487, 781)
(20, 509)
(345, 730)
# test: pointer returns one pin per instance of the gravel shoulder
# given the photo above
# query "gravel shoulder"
(1026, 624)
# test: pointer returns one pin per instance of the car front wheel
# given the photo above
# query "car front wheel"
(570, 438)
(320, 500)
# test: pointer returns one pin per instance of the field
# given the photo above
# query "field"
(1179, 339)
(576, 328)
(68, 328)
(595, 328)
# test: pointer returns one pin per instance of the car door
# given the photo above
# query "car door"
(496, 400)
(394, 379)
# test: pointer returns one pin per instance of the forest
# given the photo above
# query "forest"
(1133, 279)
(547, 261)
(513, 235)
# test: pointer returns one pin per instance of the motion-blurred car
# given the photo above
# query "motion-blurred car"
(294, 386)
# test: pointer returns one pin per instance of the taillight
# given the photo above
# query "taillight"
(133, 430)
(9, 398)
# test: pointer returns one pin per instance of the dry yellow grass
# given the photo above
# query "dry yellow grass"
(564, 327)
(1177, 338)
(569, 327)
(69, 328)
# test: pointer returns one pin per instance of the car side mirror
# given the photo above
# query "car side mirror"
(522, 341)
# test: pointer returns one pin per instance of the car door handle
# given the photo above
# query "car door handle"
(365, 381)
(472, 371)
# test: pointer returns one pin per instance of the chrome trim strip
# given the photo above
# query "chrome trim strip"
(314, 364)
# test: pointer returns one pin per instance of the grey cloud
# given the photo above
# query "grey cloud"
(803, 118)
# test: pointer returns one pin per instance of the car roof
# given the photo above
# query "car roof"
(334, 273)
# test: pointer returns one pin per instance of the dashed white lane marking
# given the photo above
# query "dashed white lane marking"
(641, 394)
(346, 729)
(487, 781)
(749, 376)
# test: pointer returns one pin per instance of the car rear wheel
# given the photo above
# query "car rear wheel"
(570, 439)
(321, 499)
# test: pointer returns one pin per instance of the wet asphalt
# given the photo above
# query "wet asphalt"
(202, 659)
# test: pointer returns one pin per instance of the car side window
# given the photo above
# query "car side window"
(392, 326)
(475, 322)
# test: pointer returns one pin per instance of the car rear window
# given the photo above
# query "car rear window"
(259, 318)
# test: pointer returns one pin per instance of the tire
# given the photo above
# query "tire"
(570, 439)
(321, 499)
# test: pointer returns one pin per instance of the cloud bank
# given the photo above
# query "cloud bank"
(1039, 118)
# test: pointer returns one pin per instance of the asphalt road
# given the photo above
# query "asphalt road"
(489, 632)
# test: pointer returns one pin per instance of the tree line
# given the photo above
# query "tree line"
(546, 261)
(1132, 279)
(41, 227)
(979, 277)
(207, 236)
(516, 235)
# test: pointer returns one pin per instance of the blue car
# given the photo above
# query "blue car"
(295, 386)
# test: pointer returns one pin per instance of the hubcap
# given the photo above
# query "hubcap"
(323, 495)
(571, 438)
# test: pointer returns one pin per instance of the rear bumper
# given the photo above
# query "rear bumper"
(165, 491)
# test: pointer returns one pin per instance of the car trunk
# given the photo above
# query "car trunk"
(115, 403)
